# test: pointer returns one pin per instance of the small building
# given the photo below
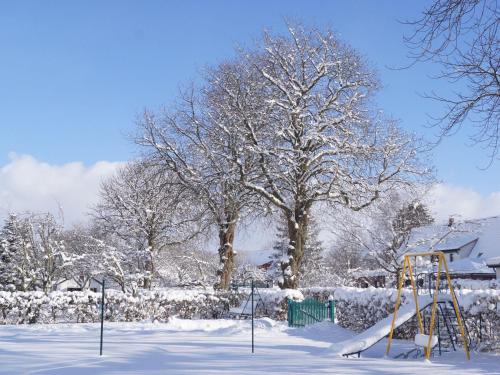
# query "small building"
(375, 278)
(471, 247)
(72, 286)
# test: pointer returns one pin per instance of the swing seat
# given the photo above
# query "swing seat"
(423, 340)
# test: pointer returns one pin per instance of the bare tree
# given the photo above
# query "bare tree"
(299, 104)
(381, 235)
(146, 209)
(345, 260)
(184, 143)
(462, 36)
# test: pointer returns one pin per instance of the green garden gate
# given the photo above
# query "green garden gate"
(310, 311)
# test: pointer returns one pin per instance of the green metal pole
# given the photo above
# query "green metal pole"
(252, 320)
(332, 310)
(102, 314)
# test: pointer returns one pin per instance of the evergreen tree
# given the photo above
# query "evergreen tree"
(10, 252)
(411, 216)
(313, 267)
(280, 249)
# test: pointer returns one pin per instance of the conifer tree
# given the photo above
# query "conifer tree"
(10, 253)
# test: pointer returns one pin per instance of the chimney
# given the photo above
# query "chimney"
(451, 221)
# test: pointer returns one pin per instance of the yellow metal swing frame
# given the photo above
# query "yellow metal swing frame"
(442, 265)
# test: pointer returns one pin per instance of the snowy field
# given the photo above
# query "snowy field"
(208, 347)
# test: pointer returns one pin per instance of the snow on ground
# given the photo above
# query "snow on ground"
(208, 347)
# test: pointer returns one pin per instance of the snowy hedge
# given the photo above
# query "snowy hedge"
(155, 305)
(356, 308)
(56, 307)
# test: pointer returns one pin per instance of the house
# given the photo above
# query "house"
(494, 263)
(471, 247)
(375, 278)
(72, 286)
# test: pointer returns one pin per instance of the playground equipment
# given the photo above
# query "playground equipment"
(431, 308)
(442, 266)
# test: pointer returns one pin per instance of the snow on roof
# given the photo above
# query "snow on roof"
(488, 245)
(468, 266)
(493, 262)
(444, 238)
(372, 273)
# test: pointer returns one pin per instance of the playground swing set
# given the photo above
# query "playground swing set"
(428, 341)
(431, 309)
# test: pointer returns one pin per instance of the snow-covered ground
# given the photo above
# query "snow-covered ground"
(208, 347)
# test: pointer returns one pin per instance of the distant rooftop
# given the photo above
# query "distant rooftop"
(482, 234)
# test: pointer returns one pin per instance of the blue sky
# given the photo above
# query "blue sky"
(74, 75)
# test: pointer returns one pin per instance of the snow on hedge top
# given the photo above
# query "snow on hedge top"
(174, 294)
(275, 294)
(365, 296)
(473, 301)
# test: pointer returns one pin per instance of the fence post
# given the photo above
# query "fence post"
(102, 314)
(252, 319)
(331, 307)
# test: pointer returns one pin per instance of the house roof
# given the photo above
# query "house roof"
(486, 233)
(468, 265)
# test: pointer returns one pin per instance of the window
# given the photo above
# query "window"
(451, 257)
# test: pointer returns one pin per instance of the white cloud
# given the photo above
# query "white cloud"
(465, 203)
(29, 184)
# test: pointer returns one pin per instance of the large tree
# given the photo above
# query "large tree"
(300, 105)
(183, 142)
(462, 36)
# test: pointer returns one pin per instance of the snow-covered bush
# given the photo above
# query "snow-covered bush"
(157, 305)
(154, 305)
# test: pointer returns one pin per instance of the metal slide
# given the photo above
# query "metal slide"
(377, 332)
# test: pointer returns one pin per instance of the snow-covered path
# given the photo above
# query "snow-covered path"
(206, 347)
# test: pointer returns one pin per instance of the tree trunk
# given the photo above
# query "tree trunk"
(226, 253)
(149, 265)
(297, 233)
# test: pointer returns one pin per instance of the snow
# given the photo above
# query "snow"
(468, 265)
(495, 261)
(443, 237)
(209, 347)
(423, 340)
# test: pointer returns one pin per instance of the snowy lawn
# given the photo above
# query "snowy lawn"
(208, 347)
